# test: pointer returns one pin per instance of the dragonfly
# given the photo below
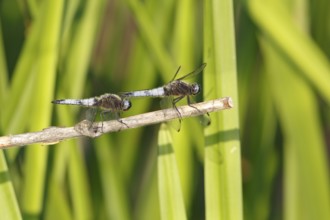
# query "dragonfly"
(175, 90)
(107, 103)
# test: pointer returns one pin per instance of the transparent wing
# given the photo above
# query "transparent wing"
(90, 114)
(107, 116)
(166, 102)
(204, 119)
(193, 73)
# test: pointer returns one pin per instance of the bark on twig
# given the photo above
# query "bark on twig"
(53, 135)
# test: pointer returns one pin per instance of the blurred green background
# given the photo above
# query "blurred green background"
(78, 49)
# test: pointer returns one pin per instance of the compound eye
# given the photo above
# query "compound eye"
(195, 89)
(126, 105)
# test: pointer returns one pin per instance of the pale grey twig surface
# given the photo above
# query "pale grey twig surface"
(53, 135)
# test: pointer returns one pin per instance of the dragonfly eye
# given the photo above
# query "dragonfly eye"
(195, 88)
(126, 105)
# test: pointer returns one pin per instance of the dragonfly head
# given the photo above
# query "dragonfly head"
(195, 89)
(126, 104)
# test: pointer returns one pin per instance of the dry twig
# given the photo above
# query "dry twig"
(53, 135)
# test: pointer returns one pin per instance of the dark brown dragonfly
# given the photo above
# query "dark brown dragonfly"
(106, 103)
(173, 91)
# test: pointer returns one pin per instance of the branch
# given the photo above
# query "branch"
(53, 135)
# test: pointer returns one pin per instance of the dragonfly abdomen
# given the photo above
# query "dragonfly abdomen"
(82, 102)
(156, 92)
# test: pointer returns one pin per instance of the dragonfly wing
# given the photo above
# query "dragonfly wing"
(91, 114)
(193, 73)
(205, 120)
(166, 102)
(108, 115)
(175, 124)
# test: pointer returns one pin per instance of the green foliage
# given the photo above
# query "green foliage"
(75, 49)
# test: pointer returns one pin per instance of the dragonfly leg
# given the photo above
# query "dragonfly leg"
(189, 103)
(116, 116)
(119, 120)
(102, 118)
(91, 119)
(177, 110)
(207, 122)
(174, 106)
